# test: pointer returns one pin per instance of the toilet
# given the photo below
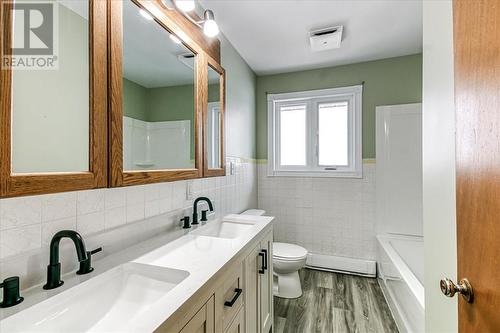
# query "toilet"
(287, 260)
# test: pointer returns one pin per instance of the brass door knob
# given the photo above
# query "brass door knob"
(450, 288)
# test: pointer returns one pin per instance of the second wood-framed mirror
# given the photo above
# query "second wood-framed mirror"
(156, 106)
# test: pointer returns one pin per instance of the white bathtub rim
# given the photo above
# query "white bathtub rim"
(411, 280)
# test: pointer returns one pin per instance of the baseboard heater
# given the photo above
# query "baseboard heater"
(345, 265)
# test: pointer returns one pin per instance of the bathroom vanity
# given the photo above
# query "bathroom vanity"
(140, 99)
(216, 278)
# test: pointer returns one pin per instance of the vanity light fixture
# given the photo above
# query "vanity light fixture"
(185, 7)
(210, 27)
(175, 39)
(146, 15)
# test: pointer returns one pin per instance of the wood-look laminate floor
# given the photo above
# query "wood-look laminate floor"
(334, 302)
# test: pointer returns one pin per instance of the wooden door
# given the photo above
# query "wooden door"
(266, 285)
(203, 321)
(477, 98)
(252, 297)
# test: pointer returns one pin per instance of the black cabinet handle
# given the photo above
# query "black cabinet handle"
(265, 258)
(237, 293)
(263, 266)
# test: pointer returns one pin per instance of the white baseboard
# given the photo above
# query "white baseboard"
(342, 264)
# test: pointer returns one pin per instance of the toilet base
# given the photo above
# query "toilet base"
(287, 285)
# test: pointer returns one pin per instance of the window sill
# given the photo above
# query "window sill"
(316, 174)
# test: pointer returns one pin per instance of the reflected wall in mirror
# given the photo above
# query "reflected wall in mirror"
(158, 95)
(50, 110)
(214, 121)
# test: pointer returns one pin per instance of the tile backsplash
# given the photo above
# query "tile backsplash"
(331, 216)
(27, 224)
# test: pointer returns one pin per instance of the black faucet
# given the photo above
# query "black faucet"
(195, 208)
(54, 267)
(185, 222)
(11, 294)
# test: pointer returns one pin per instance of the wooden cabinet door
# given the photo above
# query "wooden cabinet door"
(266, 284)
(203, 321)
(232, 291)
(238, 324)
(252, 296)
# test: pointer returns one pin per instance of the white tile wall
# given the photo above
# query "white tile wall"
(28, 223)
(331, 216)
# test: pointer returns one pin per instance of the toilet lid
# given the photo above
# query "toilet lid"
(288, 251)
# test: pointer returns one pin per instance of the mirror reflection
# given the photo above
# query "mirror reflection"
(214, 120)
(158, 95)
(50, 105)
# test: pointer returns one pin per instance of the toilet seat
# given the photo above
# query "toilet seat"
(288, 252)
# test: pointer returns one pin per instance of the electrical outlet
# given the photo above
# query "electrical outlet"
(231, 168)
(189, 191)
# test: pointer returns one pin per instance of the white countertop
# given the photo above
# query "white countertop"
(201, 256)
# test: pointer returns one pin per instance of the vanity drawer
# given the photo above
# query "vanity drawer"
(231, 296)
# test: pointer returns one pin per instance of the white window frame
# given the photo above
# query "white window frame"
(213, 134)
(312, 98)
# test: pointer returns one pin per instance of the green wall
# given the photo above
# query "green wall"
(240, 103)
(161, 104)
(388, 81)
(171, 103)
(134, 100)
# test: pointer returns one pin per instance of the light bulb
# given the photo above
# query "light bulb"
(210, 27)
(185, 5)
(175, 39)
(146, 15)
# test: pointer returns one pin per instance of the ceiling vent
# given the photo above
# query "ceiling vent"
(187, 59)
(326, 38)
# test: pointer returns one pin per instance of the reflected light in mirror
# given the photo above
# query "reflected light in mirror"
(146, 15)
(185, 5)
(175, 39)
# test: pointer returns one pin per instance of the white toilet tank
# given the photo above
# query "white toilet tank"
(258, 212)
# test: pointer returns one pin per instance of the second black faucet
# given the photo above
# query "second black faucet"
(195, 209)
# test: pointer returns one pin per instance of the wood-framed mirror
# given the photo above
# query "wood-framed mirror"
(53, 98)
(156, 103)
(213, 121)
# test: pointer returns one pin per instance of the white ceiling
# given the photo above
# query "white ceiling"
(272, 35)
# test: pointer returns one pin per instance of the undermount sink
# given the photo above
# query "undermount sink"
(110, 302)
(223, 229)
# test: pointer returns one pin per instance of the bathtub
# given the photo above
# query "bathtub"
(400, 269)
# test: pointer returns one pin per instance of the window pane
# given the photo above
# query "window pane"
(293, 135)
(333, 134)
